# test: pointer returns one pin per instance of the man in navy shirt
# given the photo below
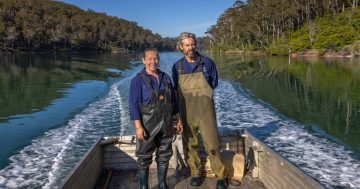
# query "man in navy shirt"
(152, 106)
(195, 76)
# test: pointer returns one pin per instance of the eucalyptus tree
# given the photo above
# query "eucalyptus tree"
(255, 24)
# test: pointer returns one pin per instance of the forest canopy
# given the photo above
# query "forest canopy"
(278, 26)
(42, 25)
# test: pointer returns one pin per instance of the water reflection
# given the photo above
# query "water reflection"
(324, 93)
(28, 83)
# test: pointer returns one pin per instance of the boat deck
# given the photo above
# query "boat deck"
(267, 168)
(128, 179)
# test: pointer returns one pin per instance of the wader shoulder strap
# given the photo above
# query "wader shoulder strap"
(150, 85)
(166, 81)
(148, 81)
(200, 67)
(180, 67)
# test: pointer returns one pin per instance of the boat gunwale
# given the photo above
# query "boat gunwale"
(282, 159)
(79, 163)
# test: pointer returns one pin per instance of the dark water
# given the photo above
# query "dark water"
(53, 108)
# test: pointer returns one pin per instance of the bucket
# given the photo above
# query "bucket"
(234, 164)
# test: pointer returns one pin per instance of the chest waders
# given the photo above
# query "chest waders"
(198, 114)
(156, 119)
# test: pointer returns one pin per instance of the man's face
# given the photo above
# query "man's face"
(151, 61)
(189, 47)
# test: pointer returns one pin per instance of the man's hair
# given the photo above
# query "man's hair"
(184, 35)
(150, 49)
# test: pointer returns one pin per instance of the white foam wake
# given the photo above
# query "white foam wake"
(122, 95)
(50, 157)
(236, 109)
(323, 159)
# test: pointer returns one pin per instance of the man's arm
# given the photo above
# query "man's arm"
(179, 125)
(213, 73)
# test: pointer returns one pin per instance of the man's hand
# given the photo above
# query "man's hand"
(179, 125)
(179, 128)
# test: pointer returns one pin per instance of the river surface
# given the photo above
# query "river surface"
(54, 107)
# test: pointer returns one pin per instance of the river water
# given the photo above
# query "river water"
(54, 107)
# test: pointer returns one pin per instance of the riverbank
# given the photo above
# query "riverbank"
(310, 53)
(327, 55)
(113, 50)
(240, 52)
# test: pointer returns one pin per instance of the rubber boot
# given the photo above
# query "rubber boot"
(221, 184)
(143, 178)
(195, 181)
(162, 171)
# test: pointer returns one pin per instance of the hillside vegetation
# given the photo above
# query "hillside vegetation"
(283, 26)
(332, 33)
(42, 25)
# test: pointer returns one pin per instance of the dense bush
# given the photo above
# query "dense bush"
(300, 40)
(279, 47)
(333, 38)
(331, 33)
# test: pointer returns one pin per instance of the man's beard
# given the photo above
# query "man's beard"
(191, 54)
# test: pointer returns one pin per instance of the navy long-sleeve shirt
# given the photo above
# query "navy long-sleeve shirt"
(140, 94)
(209, 70)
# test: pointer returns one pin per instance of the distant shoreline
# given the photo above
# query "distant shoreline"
(66, 52)
(228, 52)
(305, 54)
(327, 55)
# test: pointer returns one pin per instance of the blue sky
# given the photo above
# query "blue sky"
(165, 17)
